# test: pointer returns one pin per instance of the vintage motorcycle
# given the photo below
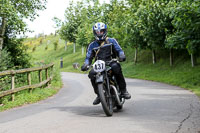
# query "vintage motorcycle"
(108, 89)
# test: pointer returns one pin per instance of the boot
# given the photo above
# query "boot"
(94, 85)
(96, 101)
(125, 94)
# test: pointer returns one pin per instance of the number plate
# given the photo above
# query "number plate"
(99, 66)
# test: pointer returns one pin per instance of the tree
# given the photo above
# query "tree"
(58, 23)
(69, 28)
(151, 21)
(12, 13)
(2, 31)
(117, 17)
(133, 37)
(154, 24)
(186, 23)
(19, 57)
(79, 20)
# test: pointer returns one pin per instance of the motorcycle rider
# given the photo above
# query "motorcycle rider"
(104, 48)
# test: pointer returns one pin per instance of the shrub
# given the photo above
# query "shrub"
(55, 45)
(5, 60)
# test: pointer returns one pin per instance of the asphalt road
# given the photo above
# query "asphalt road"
(154, 108)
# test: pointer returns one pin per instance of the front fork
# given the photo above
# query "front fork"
(101, 78)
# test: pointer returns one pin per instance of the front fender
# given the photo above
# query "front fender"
(99, 78)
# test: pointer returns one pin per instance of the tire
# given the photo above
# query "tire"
(106, 101)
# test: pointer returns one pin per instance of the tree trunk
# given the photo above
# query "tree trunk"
(135, 59)
(65, 45)
(193, 60)
(2, 31)
(1, 43)
(154, 56)
(82, 50)
(74, 48)
(171, 57)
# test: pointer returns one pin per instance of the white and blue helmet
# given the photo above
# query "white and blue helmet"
(100, 31)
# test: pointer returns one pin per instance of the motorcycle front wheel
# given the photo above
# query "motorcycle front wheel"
(106, 100)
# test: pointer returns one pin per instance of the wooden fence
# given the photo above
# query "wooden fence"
(12, 73)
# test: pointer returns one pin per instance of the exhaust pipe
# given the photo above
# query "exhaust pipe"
(117, 96)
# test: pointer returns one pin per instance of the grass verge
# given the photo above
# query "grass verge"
(27, 98)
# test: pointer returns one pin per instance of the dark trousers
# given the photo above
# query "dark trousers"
(117, 71)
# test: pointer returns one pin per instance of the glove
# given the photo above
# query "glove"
(84, 67)
(122, 57)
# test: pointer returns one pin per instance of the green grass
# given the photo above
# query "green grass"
(180, 74)
(51, 55)
(25, 97)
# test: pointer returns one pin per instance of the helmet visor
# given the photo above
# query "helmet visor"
(100, 32)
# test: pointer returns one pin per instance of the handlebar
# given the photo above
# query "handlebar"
(113, 60)
(107, 63)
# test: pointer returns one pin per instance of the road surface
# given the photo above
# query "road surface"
(154, 108)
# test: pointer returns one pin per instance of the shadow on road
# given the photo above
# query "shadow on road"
(91, 111)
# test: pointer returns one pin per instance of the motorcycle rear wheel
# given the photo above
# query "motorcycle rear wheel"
(106, 100)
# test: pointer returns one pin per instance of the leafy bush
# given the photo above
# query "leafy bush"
(18, 52)
(46, 48)
(5, 60)
(55, 45)
(34, 48)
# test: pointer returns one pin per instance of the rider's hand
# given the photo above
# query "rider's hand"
(84, 67)
(122, 57)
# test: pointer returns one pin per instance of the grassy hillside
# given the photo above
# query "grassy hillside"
(181, 74)
(51, 55)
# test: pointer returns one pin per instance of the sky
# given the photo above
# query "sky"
(44, 23)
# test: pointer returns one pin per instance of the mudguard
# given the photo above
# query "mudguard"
(99, 79)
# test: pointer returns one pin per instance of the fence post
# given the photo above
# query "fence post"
(46, 73)
(40, 75)
(51, 73)
(29, 80)
(13, 85)
(46, 70)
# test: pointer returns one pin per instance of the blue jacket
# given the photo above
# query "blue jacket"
(110, 49)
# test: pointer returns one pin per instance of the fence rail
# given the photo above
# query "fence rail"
(12, 73)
